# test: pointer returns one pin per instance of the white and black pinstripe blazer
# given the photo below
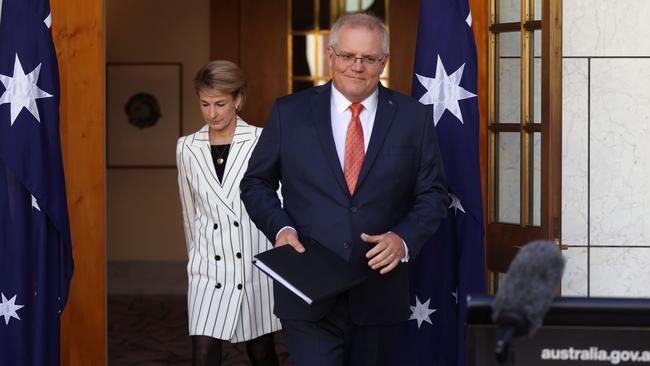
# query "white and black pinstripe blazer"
(227, 298)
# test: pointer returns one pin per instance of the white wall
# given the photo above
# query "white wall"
(606, 147)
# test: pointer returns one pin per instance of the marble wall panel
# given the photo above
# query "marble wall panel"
(574, 280)
(575, 150)
(606, 28)
(619, 151)
(620, 272)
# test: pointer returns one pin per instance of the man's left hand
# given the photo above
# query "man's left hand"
(387, 252)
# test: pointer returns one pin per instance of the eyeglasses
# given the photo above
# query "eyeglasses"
(349, 59)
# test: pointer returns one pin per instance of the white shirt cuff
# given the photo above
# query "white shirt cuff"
(406, 250)
(276, 235)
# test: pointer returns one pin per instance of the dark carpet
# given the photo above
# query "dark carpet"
(151, 330)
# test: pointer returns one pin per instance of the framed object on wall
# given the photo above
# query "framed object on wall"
(144, 114)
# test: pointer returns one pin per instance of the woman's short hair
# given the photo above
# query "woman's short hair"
(355, 20)
(221, 76)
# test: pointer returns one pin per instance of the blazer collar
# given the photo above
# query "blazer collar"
(243, 132)
(323, 122)
(242, 143)
(384, 117)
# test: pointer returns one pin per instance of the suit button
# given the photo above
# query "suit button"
(354, 209)
(218, 285)
(346, 244)
(238, 255)
(216, 257)
(216, 226)
(239, 287)
(236, 224)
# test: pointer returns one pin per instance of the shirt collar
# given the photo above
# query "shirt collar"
(341, 103)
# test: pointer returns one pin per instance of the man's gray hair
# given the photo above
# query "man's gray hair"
(355, 20)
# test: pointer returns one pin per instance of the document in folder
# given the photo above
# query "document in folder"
(314, 275)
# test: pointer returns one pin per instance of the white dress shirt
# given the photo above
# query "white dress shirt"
(341, 116)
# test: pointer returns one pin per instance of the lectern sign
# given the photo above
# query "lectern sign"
(575, 332)
(564, 346)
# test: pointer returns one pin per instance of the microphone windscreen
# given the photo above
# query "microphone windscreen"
(529, 286)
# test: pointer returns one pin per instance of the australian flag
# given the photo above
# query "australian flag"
(35, 248)
(452, 265)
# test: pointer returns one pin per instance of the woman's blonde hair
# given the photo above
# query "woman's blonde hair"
(221, 76)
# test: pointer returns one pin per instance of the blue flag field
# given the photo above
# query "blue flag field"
(452, 265)
(35, 247)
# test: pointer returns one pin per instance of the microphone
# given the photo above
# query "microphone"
(527, 292)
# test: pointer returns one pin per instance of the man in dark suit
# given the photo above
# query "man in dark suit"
(361, 174)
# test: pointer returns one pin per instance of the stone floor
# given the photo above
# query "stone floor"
(151, 330)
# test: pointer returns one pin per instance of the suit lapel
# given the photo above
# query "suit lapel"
(200, 149)
(386, 109)
(323, 122)
(236, 164)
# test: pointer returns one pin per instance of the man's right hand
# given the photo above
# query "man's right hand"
(288, 235)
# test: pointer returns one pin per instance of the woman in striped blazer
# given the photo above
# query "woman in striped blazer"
(227, 299)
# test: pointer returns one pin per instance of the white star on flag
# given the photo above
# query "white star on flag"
(455, 295)
(468, 20)
(444, 91)
(455, 204)
(8, 308)
(35, 203)
(22, 91)
(421, 312)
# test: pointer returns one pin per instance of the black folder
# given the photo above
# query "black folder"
(314, 275)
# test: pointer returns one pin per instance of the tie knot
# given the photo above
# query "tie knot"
(356, 108)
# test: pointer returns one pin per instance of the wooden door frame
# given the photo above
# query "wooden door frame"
(504, 240)
(78, 34)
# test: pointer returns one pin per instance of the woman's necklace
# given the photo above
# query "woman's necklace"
(221, 153)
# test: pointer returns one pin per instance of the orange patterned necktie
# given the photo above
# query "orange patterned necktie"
(354, 151)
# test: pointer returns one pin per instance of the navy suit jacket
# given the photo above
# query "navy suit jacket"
(401, 188)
